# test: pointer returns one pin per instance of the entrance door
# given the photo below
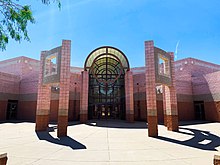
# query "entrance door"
(106, 67)
(105, 112)
(199, 110)
(12, 109)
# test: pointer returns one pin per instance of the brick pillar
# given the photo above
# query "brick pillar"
(84, 97)
(64, 89)
(3, 158)
(129, 98)
(171, 100)
(164, 106)
(218, 110)
(216, 160)
(150, 89)
(43, 101)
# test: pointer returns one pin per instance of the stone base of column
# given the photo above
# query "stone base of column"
(41, 122)
(216, 160)
(152, 126)
(62, 126)
(3, 158)
(83, 118)
(130, 118)
(172, 123)
(165, 120)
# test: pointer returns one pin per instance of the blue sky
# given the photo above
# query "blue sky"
(124, 24)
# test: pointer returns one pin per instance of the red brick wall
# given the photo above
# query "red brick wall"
(160, 113)
(19, 66)
(27, 110)
(9, 83)
(195, 80)
(54, 104)
(212, 111)
(185, 111)
(74, 114)
(3, 108)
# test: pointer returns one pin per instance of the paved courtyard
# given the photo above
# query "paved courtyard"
(110, 142)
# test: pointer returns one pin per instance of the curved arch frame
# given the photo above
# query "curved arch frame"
(112, 104)
(106, 53)
(97, 57)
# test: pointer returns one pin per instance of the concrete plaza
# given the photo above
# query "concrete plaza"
(109, 142)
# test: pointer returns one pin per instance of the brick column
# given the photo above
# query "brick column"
(129, 98)
(84, 97)
(171, 100)
(43, 101)
(150, 89)
(218, 110)
(164, 105)
(3, 158)
(216, 160)
(64, 89)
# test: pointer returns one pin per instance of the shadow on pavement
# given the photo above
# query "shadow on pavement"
(64, 141)
(203, 140)
(194, 122)
(117, 124)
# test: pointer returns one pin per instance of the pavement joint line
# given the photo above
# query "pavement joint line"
(174, 153)
(90, 134)
(109, 158)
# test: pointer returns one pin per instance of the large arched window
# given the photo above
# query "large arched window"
(106, 67)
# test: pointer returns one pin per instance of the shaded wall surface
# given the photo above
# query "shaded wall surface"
(19, 81)
(196, 80)
(9, 90)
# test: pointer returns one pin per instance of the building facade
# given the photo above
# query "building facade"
(112, 92)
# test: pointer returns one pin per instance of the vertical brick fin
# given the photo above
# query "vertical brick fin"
(64, 89)
(171, 100)
(43, 101)
(152, 126)
(129, 96)
(84, 97)
(62, 126)
(218, 110)
(172, 123)
(216, 160)
(164, 106)
(41, 122)
(3, 158)
(150, 89)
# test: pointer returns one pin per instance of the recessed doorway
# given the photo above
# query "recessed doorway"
(12, 110)
(199, 110)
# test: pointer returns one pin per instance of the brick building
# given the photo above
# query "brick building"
(197, 88)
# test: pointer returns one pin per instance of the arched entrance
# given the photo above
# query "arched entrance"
(106, 68)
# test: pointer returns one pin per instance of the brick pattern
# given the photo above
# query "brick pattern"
(29, 83)
(84, 97)
(150, 89)
(196, 80)
(212, 111)
(172, 122)
(171, 100)
(19, 66)
(165, 104)
(64, 89)
(3, 108)
(185, 111)
(9, 83)
(43, 102)
(129, 98)
(27, 110)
